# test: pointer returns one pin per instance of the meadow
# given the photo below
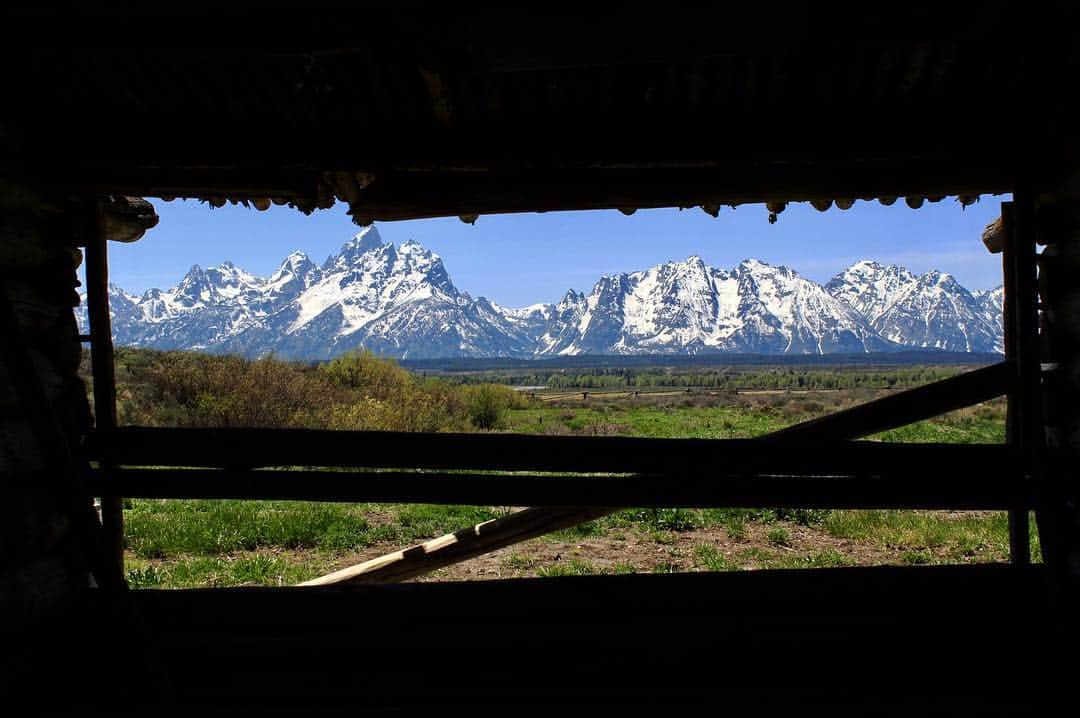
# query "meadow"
(177, 544)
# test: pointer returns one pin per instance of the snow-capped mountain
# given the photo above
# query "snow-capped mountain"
(399, 301)
(690, 307)
(928, 311)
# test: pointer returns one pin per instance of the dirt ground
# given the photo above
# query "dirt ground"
(643, 553)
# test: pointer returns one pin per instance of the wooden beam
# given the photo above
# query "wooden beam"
(1024, 420)
(938, 478)
(537, 453)
(103, 371)
(489, 190)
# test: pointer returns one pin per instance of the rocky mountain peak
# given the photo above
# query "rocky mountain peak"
(571, 298)
(363, 242)
(940, 279)
(931, 310)
(400, 301)
(195, 285)
(296, 260)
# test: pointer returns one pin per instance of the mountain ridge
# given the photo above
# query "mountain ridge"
(400, 301)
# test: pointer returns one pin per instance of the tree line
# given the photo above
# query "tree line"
(723, 379)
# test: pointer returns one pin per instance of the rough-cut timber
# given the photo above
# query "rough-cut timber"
(43, 414)
(103, 367)
(255, 448)
(993, 236)
(126, 219)
(912, 476)
(467, 110)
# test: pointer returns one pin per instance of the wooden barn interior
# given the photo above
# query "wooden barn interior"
(416, 110)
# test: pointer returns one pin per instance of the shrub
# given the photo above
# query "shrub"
(487, 405)
(357, 391)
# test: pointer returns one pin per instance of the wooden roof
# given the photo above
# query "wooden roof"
(426, 111)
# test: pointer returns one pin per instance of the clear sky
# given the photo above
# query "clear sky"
(521, 259)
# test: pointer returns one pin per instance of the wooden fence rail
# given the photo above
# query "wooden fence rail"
(986, 482)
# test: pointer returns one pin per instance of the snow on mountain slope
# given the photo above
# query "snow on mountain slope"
(991, 304)
(690, 307)
(928, 311)
(400, 301)
(394, 300)
(871, 288)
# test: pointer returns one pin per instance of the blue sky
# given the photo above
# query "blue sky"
(525, 258)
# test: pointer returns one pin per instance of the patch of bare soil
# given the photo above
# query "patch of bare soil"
(634, 551)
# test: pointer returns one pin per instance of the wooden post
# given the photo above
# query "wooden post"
(103, 371)
(1024, 420)
(1058, 513)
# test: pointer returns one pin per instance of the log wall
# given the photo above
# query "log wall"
(43, 409)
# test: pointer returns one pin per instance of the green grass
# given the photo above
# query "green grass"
(980, 425)
(573, 567)
(964, 429)
(710, 558)
(828, 558)
(780, 536)
(924, 537)
(160, 529)
(517, 562)
(215, 571)
(720, 422)
(156, 529)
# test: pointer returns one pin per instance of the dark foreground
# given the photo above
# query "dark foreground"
(971, 640)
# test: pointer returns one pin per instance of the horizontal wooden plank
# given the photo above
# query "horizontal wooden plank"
(253, 448)
(940, 489)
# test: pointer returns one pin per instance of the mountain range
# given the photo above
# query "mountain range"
(399, 301)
